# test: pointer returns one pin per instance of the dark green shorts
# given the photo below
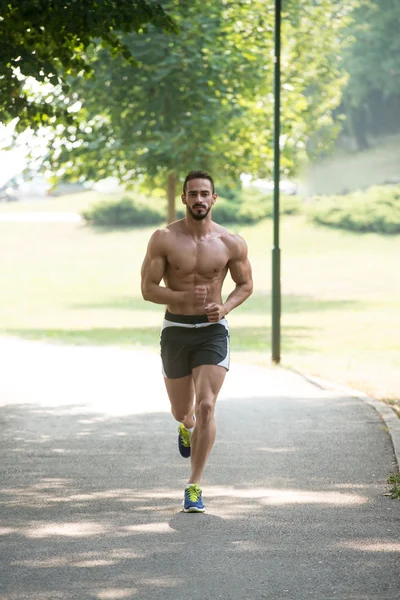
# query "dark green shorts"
(189, 341)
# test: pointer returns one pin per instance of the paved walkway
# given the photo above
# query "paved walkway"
(91, 486)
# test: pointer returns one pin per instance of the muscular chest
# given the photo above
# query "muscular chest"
(198, 258)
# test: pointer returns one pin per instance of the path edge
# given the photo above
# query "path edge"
(388, 414)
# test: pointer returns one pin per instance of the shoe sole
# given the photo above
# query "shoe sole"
(184, 455)
(194, 510)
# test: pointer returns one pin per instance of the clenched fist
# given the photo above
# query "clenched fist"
(197, 296)
(215, 312)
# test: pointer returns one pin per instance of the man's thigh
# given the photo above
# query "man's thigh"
(181, 393)
(208, 380)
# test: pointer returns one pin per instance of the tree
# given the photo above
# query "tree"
(49, 40)
(312, 81)
(204, 98)
(182, 104)
(372, 60)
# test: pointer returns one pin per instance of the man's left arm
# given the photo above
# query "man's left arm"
(240, 270)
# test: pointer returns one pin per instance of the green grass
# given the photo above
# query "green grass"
(394, 480)
(351, 170)
(340, 309)
(69, 203)
(78, 202)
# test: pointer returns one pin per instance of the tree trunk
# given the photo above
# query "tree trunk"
(171, 193)
(359, 127)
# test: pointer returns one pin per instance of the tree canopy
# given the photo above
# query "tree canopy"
(49, 41)
(372, 60)
(204, 98)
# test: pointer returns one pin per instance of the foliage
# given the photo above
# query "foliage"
(254, 199)
(49, 40)
(205, 98)
(371, 56)
(394, 480)
(252, 207)
(312, 80)
(375, 210)
(179, 105)
(124, 212)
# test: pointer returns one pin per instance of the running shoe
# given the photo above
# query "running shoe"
(184, 441)
(193, 501)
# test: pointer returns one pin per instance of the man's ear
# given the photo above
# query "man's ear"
(215, 196)
(183, 199)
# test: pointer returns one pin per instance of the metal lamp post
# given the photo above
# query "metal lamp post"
(276, 252)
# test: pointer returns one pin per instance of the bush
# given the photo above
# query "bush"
(225, 211)
(375, 210)
(250, 207)
(124, 212)
(254, 200)
(230, 192)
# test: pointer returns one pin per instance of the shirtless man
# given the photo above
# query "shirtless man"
(192, 256)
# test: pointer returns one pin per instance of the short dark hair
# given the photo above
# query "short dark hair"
(198, 175)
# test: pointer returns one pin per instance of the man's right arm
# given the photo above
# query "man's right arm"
(153, 270)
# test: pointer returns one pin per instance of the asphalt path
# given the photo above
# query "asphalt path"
(91, 486)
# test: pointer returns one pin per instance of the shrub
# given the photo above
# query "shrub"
(250, 207)
(228, 211)
(124, 212)
(375, 210)
(230, 192)
(225, 211)
(256, 201)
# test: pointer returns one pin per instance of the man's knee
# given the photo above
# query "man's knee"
(181, 413)
(204, 409)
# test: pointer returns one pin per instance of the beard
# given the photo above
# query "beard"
(198, 216)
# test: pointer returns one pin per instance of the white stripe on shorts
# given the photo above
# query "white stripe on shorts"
(222, 321)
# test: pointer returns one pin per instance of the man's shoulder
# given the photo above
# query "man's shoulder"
(164, 233)
(175, 226)
(233, 241)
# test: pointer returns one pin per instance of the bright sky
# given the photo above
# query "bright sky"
(13, 162)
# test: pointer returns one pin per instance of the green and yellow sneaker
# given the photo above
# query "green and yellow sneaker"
(193, 501)
(184, 437)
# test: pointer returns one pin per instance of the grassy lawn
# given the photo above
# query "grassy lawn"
(69, 203)
(353, 170)
(341, 295)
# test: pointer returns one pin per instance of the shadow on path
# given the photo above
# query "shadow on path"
(90, 505)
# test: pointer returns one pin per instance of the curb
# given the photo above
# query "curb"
(388, 415)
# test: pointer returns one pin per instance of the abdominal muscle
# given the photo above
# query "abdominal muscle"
(188, 284)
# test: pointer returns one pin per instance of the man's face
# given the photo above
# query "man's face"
(199, 198)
